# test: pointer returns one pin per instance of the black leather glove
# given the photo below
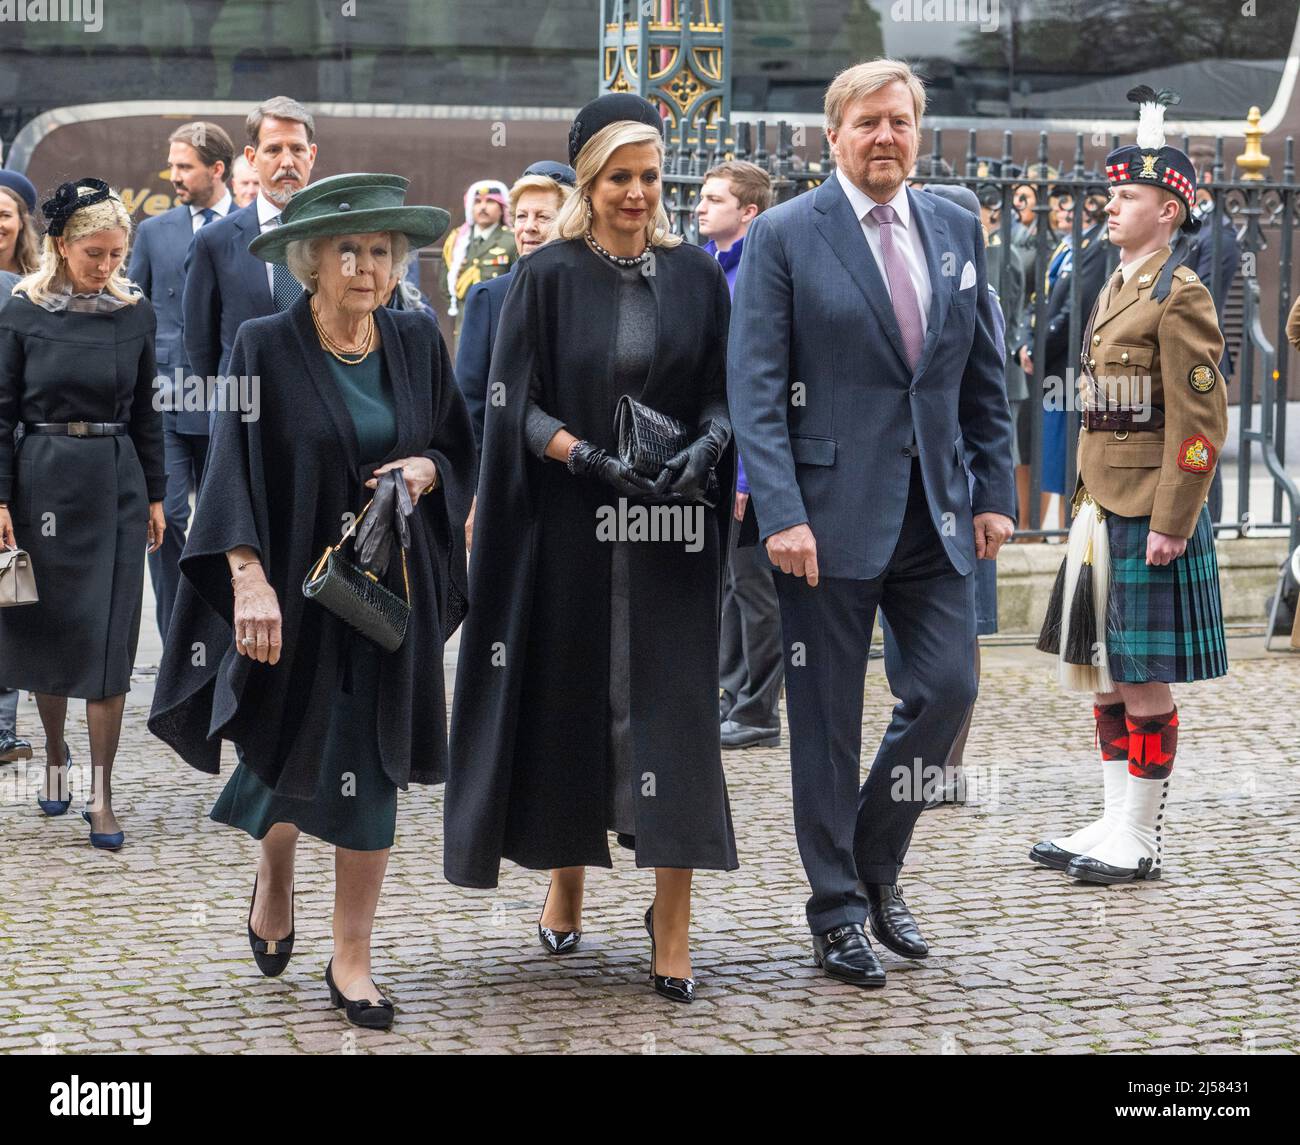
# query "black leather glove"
(692, 469)
(587, 460)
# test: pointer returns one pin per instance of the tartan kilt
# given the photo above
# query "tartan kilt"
(1163, 623)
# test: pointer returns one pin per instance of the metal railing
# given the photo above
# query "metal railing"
(1261, 212)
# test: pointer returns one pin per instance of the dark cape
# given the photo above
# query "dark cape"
(530, 716)
(282, 483)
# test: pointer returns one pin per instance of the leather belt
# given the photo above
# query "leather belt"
(1123, 419)
(77, 428)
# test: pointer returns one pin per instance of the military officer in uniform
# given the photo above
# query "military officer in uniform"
(1137, 604)
(482, 248)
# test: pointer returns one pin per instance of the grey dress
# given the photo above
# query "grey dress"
(633, 355)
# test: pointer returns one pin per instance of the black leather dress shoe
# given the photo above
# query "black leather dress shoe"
(1089, 870)
(1050, 855)
(892, 923)
(12, 749)
(845, 953)
(736, 735)
(951, 794)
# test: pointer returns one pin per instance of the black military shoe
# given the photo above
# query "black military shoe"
(846, 954)
(12, 749)
(892, 923)
(1050, 855)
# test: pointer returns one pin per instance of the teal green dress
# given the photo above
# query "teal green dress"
(355, 805)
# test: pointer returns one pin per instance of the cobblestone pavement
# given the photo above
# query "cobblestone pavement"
(145, 950)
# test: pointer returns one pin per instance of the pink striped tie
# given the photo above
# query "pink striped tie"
(907, 310)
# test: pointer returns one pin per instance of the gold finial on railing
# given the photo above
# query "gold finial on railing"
(1253, 163)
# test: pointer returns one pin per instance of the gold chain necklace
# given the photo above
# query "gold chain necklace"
(337, 349)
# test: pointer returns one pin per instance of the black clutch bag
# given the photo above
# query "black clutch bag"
(352, 592)
(648, 440)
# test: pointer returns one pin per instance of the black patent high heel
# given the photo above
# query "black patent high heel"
(369, 1015)
(270, 954)
(678, 989)
(556, 941)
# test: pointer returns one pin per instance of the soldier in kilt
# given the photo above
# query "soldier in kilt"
(1136, 606)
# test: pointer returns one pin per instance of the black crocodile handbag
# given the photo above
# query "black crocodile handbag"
(356, 597)
(647, 439)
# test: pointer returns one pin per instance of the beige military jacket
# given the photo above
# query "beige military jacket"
(1163, 356)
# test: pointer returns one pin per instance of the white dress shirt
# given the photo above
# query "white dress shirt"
(267, 210)
(907, 239)
(222, 207)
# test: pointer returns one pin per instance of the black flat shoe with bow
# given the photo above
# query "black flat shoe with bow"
(676, 989)
(270, 954)
(368, 1015)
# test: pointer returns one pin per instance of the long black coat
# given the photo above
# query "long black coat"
(80, 506)
(282, 483)
(530, 719)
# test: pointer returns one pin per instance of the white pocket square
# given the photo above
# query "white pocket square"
(967, 276)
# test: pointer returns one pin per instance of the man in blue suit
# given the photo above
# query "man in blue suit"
(224, 284)
(862, 353)
(200, 156)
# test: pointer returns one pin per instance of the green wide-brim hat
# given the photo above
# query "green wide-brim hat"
(350, 205)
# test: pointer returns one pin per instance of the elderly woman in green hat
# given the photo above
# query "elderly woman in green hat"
(327, 726)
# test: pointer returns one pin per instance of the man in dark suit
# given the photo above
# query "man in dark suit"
(224, 284)
(200, 156)
(862, 350)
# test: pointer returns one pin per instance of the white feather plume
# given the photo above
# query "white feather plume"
(1151, 126)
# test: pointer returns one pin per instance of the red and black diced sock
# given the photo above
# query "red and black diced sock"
(1112, 730)
(1152, 745)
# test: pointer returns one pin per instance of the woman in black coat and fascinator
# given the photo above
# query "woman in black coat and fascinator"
(327, 725)
(587, 687)
(82, 491)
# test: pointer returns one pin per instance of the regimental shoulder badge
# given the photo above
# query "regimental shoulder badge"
(1196, 454)
(1202, 378)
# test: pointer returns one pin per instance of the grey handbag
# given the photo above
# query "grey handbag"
(17, 580)
(353, 593)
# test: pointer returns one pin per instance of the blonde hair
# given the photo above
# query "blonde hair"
(526, 183)
(862, 79)
(303, 257)
(27, 246)
(573, 219)
(51, 276)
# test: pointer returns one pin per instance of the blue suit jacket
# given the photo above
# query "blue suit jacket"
(157, 267)
(224, 286)
(478, 332)
(823, 404)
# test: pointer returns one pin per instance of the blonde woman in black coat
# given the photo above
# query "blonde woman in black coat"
(82, 492)
(586, 694)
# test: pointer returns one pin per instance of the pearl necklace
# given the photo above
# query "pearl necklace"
(616, 259)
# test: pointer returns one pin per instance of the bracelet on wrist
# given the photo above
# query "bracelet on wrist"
(568, 458)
